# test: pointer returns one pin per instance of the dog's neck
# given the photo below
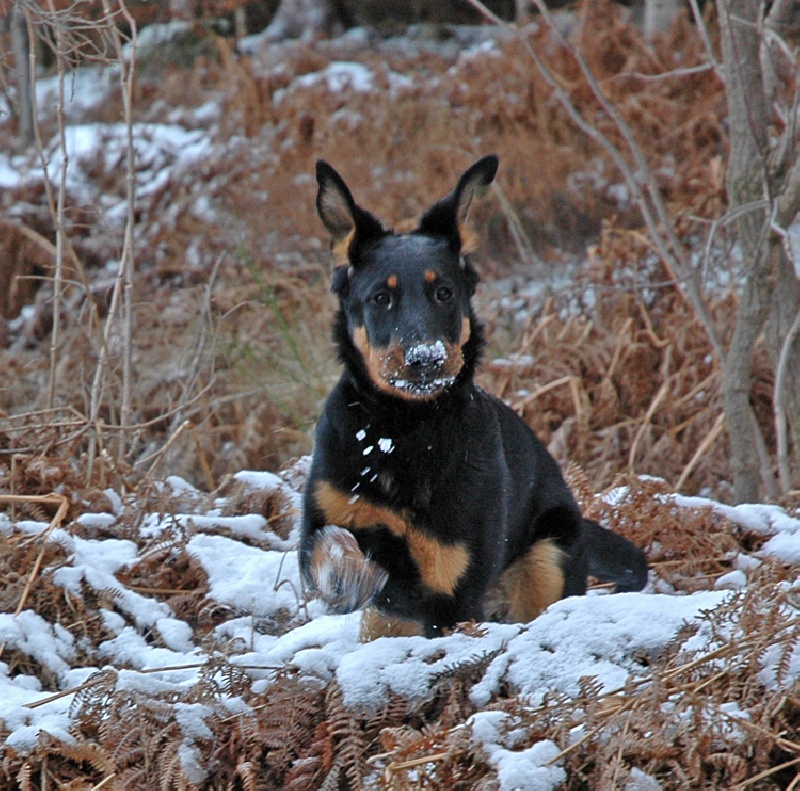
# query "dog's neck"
(402, 411)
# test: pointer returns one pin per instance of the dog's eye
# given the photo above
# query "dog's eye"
(444, 293)
(382, 298)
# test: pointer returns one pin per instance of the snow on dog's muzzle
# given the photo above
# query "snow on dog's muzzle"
(426, 359)
(426, 370)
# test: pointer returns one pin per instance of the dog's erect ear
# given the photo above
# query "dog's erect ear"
(447, 217)
(343, 218)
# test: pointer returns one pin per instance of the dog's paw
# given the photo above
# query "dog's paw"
(343, 577)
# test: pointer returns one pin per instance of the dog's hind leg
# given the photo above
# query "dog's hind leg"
(529, 585)
(375, 624)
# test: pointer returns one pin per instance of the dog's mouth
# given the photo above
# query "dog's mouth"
(421, 371)
(422, 388)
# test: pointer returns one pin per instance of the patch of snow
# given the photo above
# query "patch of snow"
(248, 578)
(529, 769)
(155, 35)
(256, 481)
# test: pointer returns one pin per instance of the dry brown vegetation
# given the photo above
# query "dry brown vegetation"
(637, 390)
(699, 718)
(232, 360)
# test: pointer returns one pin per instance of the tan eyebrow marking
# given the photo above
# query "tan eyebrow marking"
(392, 281)
(430, 276)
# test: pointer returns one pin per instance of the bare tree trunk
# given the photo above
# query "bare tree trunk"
(308, 18)
(181, 10)
(747, 185)
(785, 306)
(659, 15)
(19, 46)
(239, 23)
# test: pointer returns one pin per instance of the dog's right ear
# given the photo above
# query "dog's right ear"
(347, 223)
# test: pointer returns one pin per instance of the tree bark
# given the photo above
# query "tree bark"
(308, 18)
(19, 46)
(747, 185)
(659, 15)
(786, 304)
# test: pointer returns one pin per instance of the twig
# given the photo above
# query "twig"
(63, 507)
(784, 472)
(104, 782)
(62, 194)
(662, 393)
(159, 454)
(43, 161)
(702, 29)
(126, 72)
(524, 247)
(402, 765)
(768, 773)
(707, 442)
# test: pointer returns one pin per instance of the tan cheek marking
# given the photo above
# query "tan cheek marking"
(374, 625)
(373, 358)
(530, 584)
(392, 281)
(441, 566)
(455, 356)
(466, 330)
(430, 276)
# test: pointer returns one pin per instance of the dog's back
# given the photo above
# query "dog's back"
(425, 492)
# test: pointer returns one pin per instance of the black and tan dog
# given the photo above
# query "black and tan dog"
(429, 501)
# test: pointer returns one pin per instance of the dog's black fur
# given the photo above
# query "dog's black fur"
(440, 495)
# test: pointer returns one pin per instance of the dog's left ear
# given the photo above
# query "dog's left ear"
(448, 216)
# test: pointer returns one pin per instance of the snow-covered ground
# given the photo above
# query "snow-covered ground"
(253, 572)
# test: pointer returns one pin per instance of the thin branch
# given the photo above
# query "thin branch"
(703, 31)
(121, 295)
(639, 178)
(784, 472)
(58, 283)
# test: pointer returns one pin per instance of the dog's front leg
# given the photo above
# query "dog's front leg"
(343, 577)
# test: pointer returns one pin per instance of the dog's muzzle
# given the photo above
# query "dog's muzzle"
(425, 370)
(425, 359)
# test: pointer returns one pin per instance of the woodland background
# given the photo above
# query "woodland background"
(640, 279)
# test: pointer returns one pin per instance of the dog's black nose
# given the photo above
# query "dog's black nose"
(425, 358)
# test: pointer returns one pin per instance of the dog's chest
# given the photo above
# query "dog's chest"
(400, 470)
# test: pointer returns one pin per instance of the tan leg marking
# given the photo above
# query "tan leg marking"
(440, 565)
(374, 625)
(355, 513)
(529, 585)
